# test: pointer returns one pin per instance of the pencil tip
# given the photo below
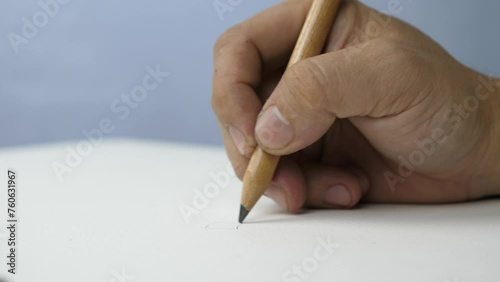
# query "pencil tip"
(243, 213)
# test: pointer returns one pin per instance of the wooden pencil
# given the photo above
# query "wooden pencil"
(310, 43)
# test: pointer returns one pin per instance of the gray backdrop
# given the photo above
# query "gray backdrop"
(80, 56)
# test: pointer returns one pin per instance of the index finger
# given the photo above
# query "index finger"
(240, 56)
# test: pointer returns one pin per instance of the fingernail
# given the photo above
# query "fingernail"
(278, 195)
(338, 195)
(238, 139)
(273, 130)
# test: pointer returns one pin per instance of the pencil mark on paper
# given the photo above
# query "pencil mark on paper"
(223, 225)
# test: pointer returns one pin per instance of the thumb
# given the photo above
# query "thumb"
(314, 92)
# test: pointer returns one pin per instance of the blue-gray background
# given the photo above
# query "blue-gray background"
(64, 79)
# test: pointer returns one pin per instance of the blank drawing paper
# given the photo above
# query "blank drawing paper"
(146, 211)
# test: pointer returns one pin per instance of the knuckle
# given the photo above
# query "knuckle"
(226, 39)
(399, 60)
(221, 42)
(402, 73)
(388, 44)
(392, 51)
(218, 97)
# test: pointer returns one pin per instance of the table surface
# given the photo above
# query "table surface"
(132, 210)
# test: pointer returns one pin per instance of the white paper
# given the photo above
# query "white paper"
(116, 217)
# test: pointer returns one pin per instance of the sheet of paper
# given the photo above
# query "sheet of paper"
(145, 211)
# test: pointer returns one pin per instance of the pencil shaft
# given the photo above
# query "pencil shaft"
(315, 30)
(310, 43)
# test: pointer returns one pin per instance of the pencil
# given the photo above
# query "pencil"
(310, 43)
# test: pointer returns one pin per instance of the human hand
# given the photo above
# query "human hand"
(385, 115)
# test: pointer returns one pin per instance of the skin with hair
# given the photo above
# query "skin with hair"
(385, 114)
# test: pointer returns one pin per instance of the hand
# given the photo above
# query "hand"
(385, 115)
